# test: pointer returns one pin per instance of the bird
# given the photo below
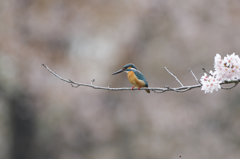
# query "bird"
(135, 77)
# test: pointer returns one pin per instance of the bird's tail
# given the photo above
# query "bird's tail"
(147, 90)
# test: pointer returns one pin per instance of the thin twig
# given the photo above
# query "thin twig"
(93, 80)
(194, 76)
(173, 76)
(204, 70)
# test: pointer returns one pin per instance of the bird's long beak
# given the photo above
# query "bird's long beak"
(119, 71)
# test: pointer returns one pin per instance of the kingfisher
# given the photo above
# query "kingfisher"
(135, 77)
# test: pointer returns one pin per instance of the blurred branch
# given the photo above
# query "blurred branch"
(154, 89)
(229, 82)
(204, 70)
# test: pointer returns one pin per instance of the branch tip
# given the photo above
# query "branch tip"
(93, 80)
(204, 70)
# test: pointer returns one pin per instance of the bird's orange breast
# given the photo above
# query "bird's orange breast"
(134, 80)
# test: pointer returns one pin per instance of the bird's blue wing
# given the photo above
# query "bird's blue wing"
(141, 77)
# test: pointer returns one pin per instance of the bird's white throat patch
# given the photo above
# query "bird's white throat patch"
(131, 69)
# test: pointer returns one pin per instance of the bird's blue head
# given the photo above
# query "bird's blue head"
(127, 67)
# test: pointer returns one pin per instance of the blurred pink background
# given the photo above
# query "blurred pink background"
(44, 117)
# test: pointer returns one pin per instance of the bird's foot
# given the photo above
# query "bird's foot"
(139, 88)
(133, 87)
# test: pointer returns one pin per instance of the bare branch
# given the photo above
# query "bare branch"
(173, 76)
(204, 70)
(154, 89)
(194, 76)
(69, 81)
(228, 82)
